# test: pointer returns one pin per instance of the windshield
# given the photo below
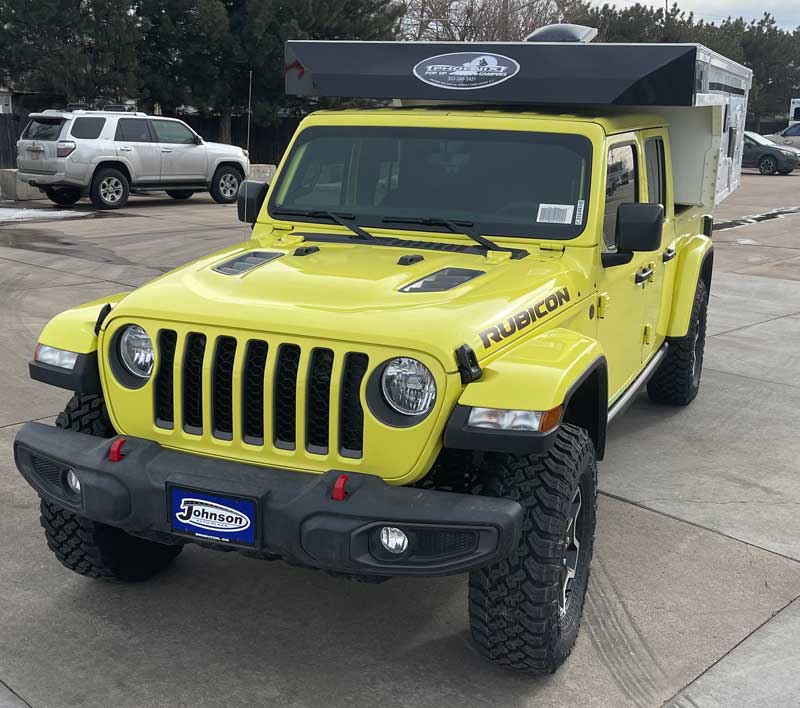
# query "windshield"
(760, 139)
(506, 183)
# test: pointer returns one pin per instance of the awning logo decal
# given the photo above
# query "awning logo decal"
(464, 71)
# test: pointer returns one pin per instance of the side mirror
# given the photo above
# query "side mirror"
(198, 140)
(639, 227)
(251, 197)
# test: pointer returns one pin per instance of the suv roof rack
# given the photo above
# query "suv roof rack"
(530, 73)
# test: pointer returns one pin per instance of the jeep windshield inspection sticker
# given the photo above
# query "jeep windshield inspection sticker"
(464, 71)
(555, 213)
(213, 517)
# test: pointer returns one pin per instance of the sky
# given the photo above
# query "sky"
(785, 12)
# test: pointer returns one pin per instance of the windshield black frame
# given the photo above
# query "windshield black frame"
(531, 229)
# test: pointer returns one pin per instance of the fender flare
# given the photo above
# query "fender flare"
(542, 373)
(695, 262)
(74, 330)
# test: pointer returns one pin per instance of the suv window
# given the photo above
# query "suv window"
(796, 115)
(87, 128)
(133, 130)
(43, 129)
(171, 132)
(656, 177)
(622, 187)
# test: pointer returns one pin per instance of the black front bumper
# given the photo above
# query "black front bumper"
(297, 517)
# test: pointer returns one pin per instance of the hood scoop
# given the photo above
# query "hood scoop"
(441, 280)
(246, 261)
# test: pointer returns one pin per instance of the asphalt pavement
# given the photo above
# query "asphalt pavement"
(693, 601)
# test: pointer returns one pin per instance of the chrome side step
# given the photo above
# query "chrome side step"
(625, 399)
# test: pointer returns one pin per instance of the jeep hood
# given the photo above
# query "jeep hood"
(354, 292)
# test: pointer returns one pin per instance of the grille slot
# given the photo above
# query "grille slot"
(49, 472)
(165, 409)
(351, 414)
(193, 383)
(222, 388)
(318, 401)
(255, 364)
(285, 406)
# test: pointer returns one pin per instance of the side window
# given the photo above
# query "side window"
(796, 114)
(622, 187)
(87, 128)
(169, 131)
(656, 173)
(793, 132)
(133, 130)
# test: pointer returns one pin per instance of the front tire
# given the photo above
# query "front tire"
(767, 165)
(110, 189)
(677, 379)
(525, 611)
(63, 197)
(225, 185)
(88, 547)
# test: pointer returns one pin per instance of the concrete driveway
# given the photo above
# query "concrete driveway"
(693, 601)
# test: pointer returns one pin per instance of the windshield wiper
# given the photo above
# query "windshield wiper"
(338, 218)
(466, 228)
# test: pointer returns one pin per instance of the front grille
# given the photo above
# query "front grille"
(258, 392)
(48, 471)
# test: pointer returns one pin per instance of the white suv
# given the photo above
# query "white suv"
(109, 155)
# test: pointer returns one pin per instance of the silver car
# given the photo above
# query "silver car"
(109, 155)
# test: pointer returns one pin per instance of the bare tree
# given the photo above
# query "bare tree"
(476, 20)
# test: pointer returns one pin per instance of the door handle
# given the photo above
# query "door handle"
(126, 148)
(668, 255)
(166, 149)
(643, 276)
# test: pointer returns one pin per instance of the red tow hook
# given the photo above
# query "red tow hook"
(115, 451)
(339, 488)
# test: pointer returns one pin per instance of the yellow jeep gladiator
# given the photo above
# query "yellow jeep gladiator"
(410, 367)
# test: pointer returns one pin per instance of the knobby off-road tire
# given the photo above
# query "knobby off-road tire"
(677, 379)
(524, 611)
(88, 547)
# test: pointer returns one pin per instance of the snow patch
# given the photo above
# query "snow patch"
(8, 214)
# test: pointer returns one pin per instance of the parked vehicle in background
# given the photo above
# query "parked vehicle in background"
(768, 157)
(794, 111)
(790, 137)
(107, 156)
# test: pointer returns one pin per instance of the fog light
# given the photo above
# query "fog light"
(393, 540)
(73, 482)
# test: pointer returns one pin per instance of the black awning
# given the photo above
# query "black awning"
(519, 72)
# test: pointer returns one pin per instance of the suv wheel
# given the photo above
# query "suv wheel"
(225, 185)
(110, 189)
(180, 193)
(88, 547)
(767, 165)
(525, 611)
(677, 379)
(63, 197)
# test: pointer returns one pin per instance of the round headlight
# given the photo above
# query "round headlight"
(136, 351)
(408, 386)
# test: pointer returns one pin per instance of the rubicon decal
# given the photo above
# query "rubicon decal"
(211, 516)
(463, 71)
(524, 318)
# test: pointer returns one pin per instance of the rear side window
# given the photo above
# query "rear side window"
(656, 177)
(133, 130)
(796, 115)
(622, 187)
(87, 128)
(43, 129)
(169, 131)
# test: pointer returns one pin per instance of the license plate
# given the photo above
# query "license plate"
(212, 517)
(35, 155)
